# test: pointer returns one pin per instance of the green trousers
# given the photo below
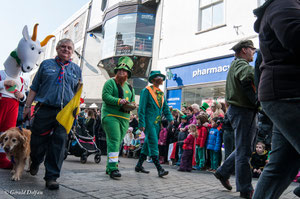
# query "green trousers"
(200, 156)
(115, 129)
(214, 159)
(150, 146)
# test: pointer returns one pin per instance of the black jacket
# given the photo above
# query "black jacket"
(278, 25)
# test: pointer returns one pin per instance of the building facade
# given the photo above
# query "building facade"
(193, 47)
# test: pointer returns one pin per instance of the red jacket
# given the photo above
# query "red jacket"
(202, 135)
(188, 143)
(163, 137)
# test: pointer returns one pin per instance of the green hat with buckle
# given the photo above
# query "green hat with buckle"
(156, 73)
(124, 63)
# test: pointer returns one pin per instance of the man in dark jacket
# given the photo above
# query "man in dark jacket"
(240, 95)
(278, 25)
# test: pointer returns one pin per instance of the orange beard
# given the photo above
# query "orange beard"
(121, 79)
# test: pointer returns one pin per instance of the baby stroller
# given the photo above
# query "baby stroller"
(81, 144)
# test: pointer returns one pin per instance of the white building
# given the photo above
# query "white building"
(75, 28)
(190, 40)
(192, 43)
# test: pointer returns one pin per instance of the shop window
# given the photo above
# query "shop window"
(109, 32)
(144, 34)
(260, 2)
(211, 14)
(206, 93)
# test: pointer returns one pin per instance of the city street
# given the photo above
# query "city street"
(90, 181)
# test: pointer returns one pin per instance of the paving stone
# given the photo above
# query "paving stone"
(90, 181)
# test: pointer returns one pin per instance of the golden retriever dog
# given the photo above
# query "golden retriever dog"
(16, 143)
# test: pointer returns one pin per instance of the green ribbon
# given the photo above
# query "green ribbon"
(15, 55)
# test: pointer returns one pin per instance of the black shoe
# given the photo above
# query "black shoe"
(115, 174)
(52, 184)
(162, 173)
(225, 182)
(247, 195)
(34, 169)
(297, 191)
(141, 169)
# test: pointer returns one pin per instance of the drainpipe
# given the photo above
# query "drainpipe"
(85, 34)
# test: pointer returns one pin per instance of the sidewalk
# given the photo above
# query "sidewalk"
(90, 181)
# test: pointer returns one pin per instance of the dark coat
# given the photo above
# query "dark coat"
(278, 25)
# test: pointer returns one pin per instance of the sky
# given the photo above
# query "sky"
(15, 14)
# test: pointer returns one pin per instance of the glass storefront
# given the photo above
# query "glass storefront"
(128, 34)
(204, 93)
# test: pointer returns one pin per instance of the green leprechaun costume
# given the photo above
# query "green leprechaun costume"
(151, 107)
(115, 118)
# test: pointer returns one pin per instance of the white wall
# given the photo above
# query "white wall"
(181, 42)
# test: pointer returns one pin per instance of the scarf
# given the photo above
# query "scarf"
(62, 65)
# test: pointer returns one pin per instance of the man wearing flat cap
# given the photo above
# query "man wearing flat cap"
(240, 95)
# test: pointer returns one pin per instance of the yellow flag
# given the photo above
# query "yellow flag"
(67, 115)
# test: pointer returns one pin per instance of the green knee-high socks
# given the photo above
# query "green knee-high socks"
(142, 158)
(156, 162)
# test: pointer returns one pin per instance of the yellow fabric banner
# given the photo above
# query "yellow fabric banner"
(67, 115)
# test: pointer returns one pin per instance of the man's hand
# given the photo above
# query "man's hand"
(27, 113)
(123, 101)
(9, 83)
(142, 129)
(19, 95)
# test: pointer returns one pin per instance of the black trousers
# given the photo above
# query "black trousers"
(48, 146)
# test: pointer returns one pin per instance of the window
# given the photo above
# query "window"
(211, 14)
(260, 2)
(53, 47)
(66, 34)
(76, 32)
(204, 93)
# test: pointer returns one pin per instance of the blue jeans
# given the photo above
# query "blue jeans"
(228, 139)
(243, 121)
(284, 159)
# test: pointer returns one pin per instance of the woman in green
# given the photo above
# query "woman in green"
(116, 95)
(152, 106)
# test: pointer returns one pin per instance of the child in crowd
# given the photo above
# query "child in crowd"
(135, 142)
(258, 159)
(214, 142)
(200, 141)
(162, 142)
(181, 136)
(188, 146)
(127, 141)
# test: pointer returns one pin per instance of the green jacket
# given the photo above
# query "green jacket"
(239, 71)
(149, 112)
(110, 97)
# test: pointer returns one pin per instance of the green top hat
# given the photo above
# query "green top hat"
(124, 63)
(204, 106)
(154, 74)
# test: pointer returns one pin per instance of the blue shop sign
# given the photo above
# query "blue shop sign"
(203, 72)
(174, 98)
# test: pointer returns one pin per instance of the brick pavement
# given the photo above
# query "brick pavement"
(90, 181)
